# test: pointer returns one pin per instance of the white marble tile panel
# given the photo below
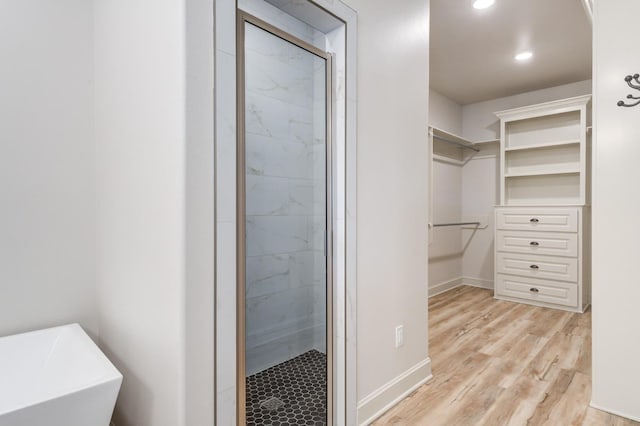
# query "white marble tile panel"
(226, 304)
(267, 275)
(268, 156)
(317, 227)
(266, 195)
(271, 311)
(301, 124)
(320, 305)
(279, 18)
(270, 332)
(320, 342)
(278, 196)
(301, 88)
(319, 197)
(225, 23)
(319, 161)
(320, 334)
(301, 197)
(225, 136)
(301, 269)
(301, 58)
(319, 122)
(265, 44)
(301, 30)
(276, 234)
(266, 12)
(265, 355)
(266, 116)
(269, 77)
(319, 269)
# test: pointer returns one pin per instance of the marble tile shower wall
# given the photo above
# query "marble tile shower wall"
(285, 202)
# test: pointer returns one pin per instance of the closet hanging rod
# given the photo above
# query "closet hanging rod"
(440, 138)
(437, 225)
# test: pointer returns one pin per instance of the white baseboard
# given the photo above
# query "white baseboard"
(445, 286)
(460, 281)
(382, 399)
(615, 413)
(477, 282)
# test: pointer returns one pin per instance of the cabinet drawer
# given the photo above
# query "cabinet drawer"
(550, 243)
(528, 265)
(547, 219)
(537, 290)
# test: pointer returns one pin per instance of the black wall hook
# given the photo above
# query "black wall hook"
(636, 86)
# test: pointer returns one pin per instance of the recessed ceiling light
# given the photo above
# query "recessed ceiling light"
(523, 56)
(483, 4)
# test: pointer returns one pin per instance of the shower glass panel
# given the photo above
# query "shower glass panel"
(286, 218)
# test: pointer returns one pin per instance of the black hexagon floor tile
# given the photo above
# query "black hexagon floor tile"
(289, 394)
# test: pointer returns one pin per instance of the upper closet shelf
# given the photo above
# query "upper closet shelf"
(453, 149)
(450, 138)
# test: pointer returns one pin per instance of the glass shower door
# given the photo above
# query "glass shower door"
(285, 148)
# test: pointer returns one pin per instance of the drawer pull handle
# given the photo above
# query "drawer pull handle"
(534, 243)
(534, 267)
(534, 290)
(534, 220)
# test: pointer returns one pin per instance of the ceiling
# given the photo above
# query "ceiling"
(472, 51)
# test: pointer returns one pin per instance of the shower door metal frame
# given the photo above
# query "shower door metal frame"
(242, 19)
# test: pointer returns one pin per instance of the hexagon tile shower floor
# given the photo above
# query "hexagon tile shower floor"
(289, 394)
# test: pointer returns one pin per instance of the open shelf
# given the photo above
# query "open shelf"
(450, 148)
(552, 189)
(544, 151)
(553, 159)
(542, 173)
(542, 146)
(543, 130)
(439, 133)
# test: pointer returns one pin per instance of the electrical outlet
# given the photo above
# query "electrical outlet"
(399, 336)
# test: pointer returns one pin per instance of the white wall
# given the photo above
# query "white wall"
(393, 92)
(616, 148)
(480, 123)
(200, 213)
(140, 179)
(47, 221)
(444, 113)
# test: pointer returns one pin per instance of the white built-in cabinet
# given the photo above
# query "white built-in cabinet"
(542, 237)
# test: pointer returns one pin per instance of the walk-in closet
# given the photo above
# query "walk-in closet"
(509, 268)
(509, 135)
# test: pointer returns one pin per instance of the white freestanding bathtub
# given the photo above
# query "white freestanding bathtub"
(56, 377)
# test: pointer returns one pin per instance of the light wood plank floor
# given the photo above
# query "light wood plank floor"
(502, 363)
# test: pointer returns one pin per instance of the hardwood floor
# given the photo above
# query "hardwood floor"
(502, 363)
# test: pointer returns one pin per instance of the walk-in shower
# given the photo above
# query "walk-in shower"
(284, 227)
